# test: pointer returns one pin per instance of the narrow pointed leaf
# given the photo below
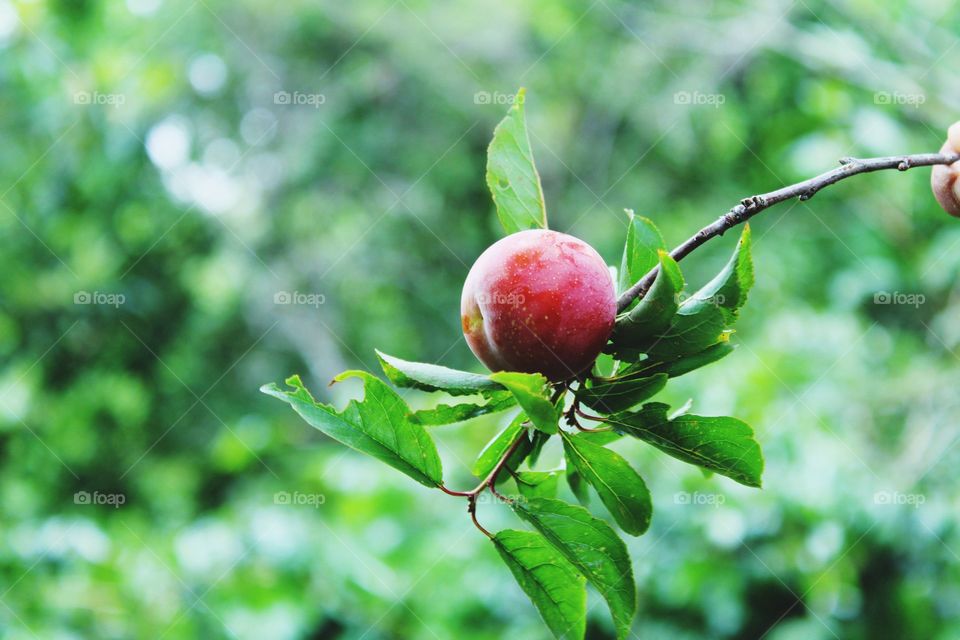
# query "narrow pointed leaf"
(449, 414)
(577, 484)
(593, 547)
(728, 290)
(654, 312)
(537, 440)
(433, 377)
(512, 176)
(380, 425)
(641, 250)
(552, 583)
(690, 331)
(621, 489)
(620, 395)
(538, 484)
(532, 392)
(600, 438)
(679, 365)
(721, 444)
(498, 446)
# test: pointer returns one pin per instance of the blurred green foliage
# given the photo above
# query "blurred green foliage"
(208, 160)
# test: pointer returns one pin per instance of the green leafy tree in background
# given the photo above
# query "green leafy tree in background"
(662, 332)
(376, 198)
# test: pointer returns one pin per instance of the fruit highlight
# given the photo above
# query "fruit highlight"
(538, 301)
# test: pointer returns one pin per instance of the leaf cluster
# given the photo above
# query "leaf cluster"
(665, 334)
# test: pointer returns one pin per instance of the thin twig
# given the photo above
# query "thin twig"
(499, 496)
(472, 510)
(805, 190)
(490, 476)
(451, 492)
(594, 419)
(489, 481)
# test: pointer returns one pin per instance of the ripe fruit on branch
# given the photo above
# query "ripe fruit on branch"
(538, 301)
(544, 302)
(943, 180)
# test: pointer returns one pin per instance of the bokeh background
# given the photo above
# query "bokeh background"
(198, 197)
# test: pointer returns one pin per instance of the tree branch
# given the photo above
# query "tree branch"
(805, 190)
(492, 476)
(489, 482)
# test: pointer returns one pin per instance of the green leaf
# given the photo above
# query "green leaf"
(537, 440)
(721, 444)
(448, 414)
(641, 250)
(667, 331)
(621, 489)
(620, 395)
(433, 377)
(692, 330)
(532, 391)
(728, 290)
(552, 583)
(575, 481)
(679, 365)
(497, 447)
(654, 312)
(593, 547)
(692, 333)
(380, 425)
(577, 484)
(600, 438)
(538, 484)
(512, 176)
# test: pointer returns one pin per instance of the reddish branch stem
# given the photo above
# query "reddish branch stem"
(590, 417)
(489, 482)
(805, 190)
(472, 509)
(492, 476)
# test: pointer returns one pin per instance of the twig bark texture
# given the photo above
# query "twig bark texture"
(804, 190)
